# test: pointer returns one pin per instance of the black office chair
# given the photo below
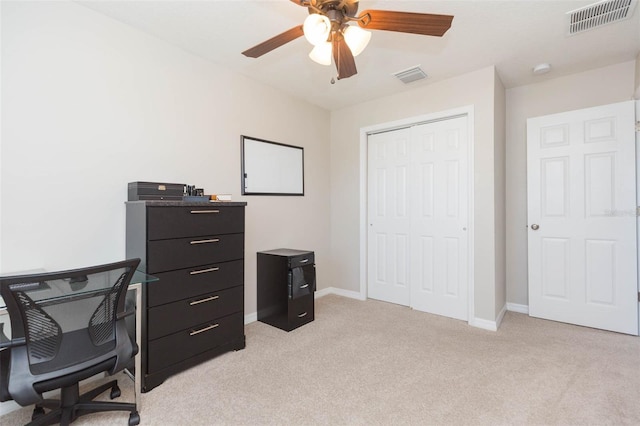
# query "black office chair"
(66, 327)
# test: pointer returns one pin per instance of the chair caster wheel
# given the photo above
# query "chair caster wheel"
(37, 412)
(115, 392)
(134, 419)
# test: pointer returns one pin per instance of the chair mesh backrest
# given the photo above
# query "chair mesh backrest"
(63, 326)
(102, 322)
(43, 333)
(70, 317)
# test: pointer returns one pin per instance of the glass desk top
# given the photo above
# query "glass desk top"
(53, 290)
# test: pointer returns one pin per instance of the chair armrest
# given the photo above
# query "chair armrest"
(125, 314)
(9, 343)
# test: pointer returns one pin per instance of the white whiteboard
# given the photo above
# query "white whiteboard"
(271, 168)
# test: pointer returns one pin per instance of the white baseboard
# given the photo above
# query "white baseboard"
(249, 318)
(503, 311)
(7, 407)
(488, 324)
(321, 293)
(340, 292)
(484, 324)
(515, 307)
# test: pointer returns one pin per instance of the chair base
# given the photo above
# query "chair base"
(73, 405)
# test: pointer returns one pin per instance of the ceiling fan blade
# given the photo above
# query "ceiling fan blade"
(406, 22)
(342, 56)
(274, 42)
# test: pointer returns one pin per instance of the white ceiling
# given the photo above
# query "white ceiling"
(513, 35)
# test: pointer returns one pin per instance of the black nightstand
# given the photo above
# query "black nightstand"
(286, 283)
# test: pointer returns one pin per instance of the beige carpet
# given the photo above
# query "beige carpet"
(375, 363)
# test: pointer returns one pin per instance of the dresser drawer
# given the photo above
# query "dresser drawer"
(180, 253)
(301, 311)
(177, 222)
(177, 347)
(186, 283)
(176, 316)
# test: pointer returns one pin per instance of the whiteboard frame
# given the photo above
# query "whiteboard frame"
(281, 172)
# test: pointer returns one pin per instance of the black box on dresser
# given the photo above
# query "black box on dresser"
(286, 286)
(196, 309)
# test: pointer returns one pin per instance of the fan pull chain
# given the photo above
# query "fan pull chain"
(333, 46)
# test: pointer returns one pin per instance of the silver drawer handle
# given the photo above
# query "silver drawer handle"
(213, 240)
(206, 299)
(202, 330)
(202, 271)
(302, 315)
(204, 211)
(304, 286)
(304, 260)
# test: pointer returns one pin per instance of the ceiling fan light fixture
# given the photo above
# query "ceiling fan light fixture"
(321, 53)
(316, 28)
(356, 38)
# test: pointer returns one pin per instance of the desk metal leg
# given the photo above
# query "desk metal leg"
(137, 379)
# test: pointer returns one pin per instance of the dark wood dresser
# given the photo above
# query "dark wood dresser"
(196, 309)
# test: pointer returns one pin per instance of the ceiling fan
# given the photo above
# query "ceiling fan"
(327, 28)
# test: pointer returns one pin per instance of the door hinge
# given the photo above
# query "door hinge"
(639, 297)
(638, 211)
(637, 126)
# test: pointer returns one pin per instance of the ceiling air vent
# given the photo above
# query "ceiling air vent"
(598, 14)
(410, 75)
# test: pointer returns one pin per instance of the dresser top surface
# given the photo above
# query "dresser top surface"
(165, 203)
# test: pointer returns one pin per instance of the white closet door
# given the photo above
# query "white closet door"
(581, 182)
(388, 210)
(439, 237)
(417, 217)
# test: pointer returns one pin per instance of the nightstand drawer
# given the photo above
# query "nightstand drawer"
(302, 260)
(186, 283)
(301, 281)
(300, 311)
(177, 347)
(176, 316)
(177, 222)
(180, 253)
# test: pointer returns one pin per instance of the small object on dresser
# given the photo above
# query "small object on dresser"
(155, 191)
(196, 198)
(223, 197)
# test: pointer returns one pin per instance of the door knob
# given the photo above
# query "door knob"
(534, 227)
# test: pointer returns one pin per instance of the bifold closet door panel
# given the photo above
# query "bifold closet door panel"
(418, 197)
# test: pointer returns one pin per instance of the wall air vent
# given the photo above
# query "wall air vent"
(599, 14)
(410, 75)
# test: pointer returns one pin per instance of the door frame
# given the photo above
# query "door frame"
(637, 105)
(467, 111)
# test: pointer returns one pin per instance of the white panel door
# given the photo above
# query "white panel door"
(388, 210)
(439, 239)
(581, 183)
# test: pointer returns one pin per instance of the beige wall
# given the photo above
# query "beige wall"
(638, 76)
(90, 104)
(601, 86)
(500, 195)
(477, 89)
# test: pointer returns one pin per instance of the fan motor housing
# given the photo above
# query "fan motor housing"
(349, 8)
